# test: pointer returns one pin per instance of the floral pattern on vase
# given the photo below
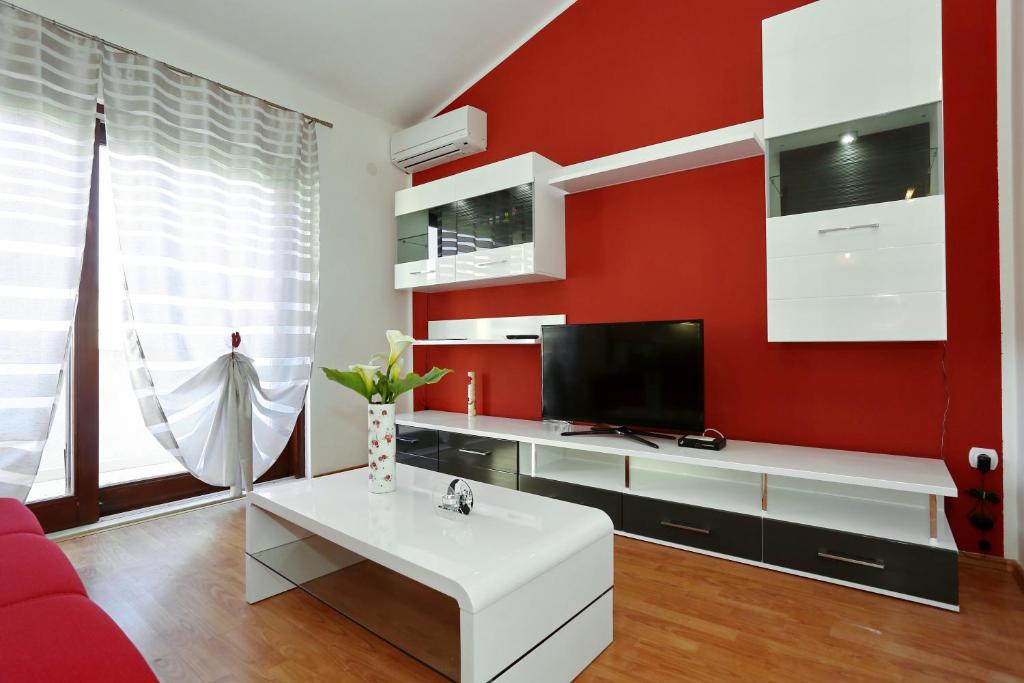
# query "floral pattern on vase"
(381, 446)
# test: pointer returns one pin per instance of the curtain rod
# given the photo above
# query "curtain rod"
(183, 72)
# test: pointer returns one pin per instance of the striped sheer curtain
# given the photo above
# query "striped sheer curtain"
(216, 199)
(49, 82)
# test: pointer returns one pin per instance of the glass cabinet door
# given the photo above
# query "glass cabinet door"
(466, 228)
(869, 161)
(415, 238)
(427, 234)
(497, 219)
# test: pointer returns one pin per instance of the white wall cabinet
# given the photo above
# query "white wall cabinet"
(842, 60)
(855, 230)
(497, 224)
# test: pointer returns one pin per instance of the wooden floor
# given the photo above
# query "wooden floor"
(175, 585)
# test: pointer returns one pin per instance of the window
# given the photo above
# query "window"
(100, 458)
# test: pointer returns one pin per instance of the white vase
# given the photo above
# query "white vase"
(380, 419)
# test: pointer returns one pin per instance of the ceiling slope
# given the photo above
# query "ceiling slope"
(401, 60)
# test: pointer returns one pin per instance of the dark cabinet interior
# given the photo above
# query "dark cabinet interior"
(884, 158)
(881, 167)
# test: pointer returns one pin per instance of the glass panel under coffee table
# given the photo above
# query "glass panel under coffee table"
(418, 620)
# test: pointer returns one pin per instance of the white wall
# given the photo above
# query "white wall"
(1017, 55)
(1010, 43)
(357, 229)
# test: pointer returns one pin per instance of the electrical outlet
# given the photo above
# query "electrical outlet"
(976, 451)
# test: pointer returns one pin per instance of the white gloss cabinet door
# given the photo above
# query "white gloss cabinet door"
(841, 60)
(870, 226)
(864, 273)
(425, 273)
(484, 264)
(879, 317)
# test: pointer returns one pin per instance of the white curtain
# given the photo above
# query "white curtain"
(216, 199)
(49, 82)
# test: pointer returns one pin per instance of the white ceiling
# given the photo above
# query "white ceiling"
(401, 60)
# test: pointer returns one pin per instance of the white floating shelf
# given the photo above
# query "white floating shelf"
(742, 141)
(477, 331)
(471, 342)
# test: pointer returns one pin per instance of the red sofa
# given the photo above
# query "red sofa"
(49, 628)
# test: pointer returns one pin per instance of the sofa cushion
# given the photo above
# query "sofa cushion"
(66, 638)
(15, 518)
(32, 566)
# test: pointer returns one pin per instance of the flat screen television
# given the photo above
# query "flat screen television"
(642, 374)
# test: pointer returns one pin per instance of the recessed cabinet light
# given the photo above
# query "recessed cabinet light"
(847, 138)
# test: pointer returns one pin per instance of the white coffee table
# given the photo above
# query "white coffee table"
(521, 589)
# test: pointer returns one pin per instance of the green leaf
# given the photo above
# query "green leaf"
(381, 387)
(413, 380)
(347, 378)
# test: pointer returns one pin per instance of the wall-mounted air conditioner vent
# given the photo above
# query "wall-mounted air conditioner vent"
(456, 134)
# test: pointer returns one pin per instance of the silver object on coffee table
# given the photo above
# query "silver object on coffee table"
(459, 497)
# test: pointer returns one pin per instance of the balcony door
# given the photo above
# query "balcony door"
(100, 458)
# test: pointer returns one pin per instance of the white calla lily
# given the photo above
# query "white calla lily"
(398, 343)
(368, 373)
(385, 379)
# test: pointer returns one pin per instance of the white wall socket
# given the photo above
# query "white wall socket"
(990, 452)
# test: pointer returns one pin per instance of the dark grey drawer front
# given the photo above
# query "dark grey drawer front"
(917, 570)
(728, 533)
(609, 502)
(417, 461)
(505, 479)
(479, 451)
(416, 441)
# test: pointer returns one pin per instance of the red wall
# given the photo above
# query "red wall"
(608, 76)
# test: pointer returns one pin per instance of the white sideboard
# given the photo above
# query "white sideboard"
(864, 520)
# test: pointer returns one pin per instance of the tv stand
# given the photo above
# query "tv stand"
(813, 512)
(633, 434)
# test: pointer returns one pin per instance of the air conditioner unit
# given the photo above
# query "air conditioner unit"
(456, 134)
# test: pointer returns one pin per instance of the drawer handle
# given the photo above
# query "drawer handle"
(852, 560)
(470, 452)
(684, 527)
(406, 439)
(862, 226)
(493, 263)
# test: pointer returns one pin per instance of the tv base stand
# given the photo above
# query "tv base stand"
(633, 434)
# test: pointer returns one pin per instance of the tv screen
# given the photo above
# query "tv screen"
(646, 374)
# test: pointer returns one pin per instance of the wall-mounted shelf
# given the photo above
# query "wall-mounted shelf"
(487, 331)
(742, 141)
(472, 342)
